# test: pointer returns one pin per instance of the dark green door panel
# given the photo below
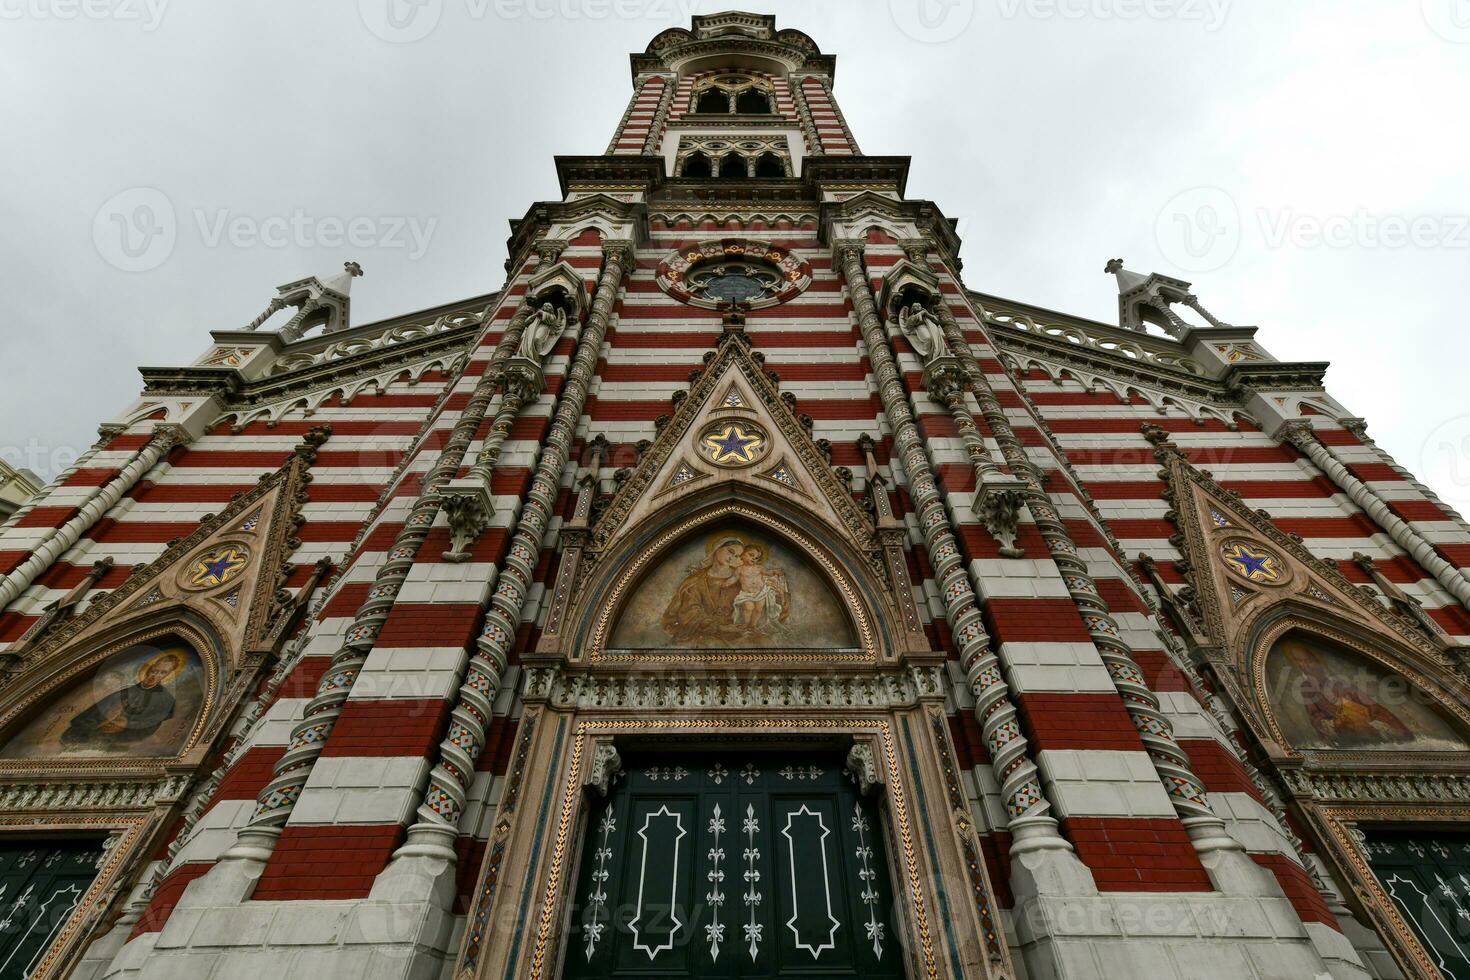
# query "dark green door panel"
(733, 865)
(41, 882)
(1427, 876)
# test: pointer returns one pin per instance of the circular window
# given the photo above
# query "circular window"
(734, 282)
(733, 443)
(721, 274)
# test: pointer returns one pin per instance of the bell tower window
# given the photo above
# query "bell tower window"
(712, 100)
(739, 93)
(733, 159)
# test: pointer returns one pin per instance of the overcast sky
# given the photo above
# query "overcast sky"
(1305, 164)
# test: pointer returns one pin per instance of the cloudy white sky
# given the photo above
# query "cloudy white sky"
(1305, 164)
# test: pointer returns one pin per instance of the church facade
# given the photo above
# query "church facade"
(735, 592)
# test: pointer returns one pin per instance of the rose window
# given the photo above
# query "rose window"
(729, 272)
(734, 282)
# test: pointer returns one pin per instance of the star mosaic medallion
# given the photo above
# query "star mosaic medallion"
(733, 444)
(1251, 563)
(218, 566)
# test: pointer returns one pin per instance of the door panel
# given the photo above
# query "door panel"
(41, 882)
(733, 865)
(1427, 876)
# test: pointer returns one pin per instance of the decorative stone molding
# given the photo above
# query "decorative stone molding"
(747, 690)
(87, 795)
(1418, 787)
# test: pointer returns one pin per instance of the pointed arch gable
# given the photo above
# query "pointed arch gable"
(828, 605)
(1321, 685)
(136, 698)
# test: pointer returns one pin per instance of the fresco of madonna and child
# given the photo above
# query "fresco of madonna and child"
(733, 589)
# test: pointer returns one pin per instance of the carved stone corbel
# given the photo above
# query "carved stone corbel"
(603, 768)
(862, 764)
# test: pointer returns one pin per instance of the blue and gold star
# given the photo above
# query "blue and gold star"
(217, 567)
(1255, 565)
(733, 443)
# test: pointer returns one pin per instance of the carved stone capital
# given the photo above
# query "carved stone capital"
(168, 435)
(1298, 432)
(107, 432)
(548, 250)
(997, 503)
(619, 250)
(468, 506)
(521, 378)
(945, 379)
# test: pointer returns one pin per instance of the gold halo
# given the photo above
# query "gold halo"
(177, 654)
(715, 540)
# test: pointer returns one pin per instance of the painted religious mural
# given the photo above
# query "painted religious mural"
(1327, 697)
(734, 588)
(141, 701)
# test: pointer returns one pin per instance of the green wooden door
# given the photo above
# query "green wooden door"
(1427, 875)
(41, 882)
(733, 865)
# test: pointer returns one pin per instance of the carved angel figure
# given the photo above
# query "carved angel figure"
(543, 328)
(923, 330)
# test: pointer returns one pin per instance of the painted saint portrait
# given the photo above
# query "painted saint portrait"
(1328, 697)
(733, 589)
(142, 701)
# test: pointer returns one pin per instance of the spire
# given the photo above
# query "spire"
(342, 281)
(1151, 298)
(1127, 279)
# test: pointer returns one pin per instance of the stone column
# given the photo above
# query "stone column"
(271, 309)
(1219, 852)
(432, 836)
(999, 497)
(165, 437)
(275, 802)
(1032, 827)
(1299, 433)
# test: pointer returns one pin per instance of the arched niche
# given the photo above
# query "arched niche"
(140, 700)
(1326, 689)
(730, 582)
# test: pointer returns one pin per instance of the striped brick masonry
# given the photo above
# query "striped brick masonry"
(444, 798)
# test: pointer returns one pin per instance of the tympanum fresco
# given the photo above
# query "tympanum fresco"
(735, 588)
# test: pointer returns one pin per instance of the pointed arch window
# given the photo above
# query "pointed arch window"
(738, 93)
